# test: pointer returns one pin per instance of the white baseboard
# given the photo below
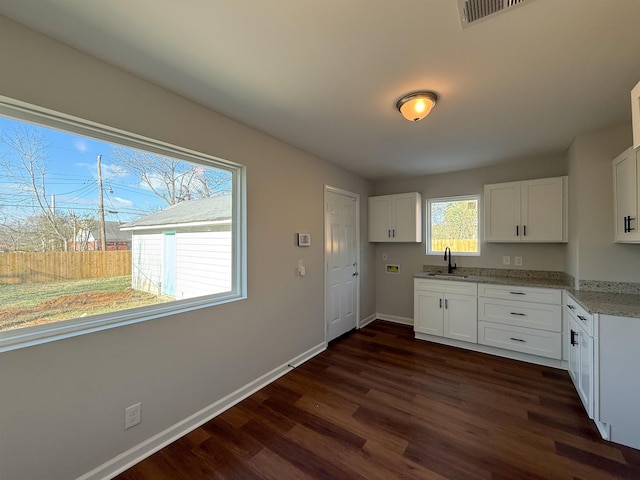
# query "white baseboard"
(395, 319)
(147, 448)
(366, 321)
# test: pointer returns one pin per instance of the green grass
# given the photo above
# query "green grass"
(30, 295)
(35, 304)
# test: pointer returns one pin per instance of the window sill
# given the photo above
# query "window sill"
(37, 335)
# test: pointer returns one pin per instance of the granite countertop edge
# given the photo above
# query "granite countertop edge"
(603, 303)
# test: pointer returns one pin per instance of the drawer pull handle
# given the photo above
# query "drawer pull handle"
(518, 339)
(582, 318)
(570, 307)
(517, 293)
(520, 314)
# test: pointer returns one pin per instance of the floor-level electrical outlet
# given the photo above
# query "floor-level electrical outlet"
(132, 416)
(506, 260)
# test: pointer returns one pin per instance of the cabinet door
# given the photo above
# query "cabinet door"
(625, 187)
(502, 212)
(635, 115)
(461, 317)
(406, 215)
(380, 210)
(585, 388)
(573, 350)
(428, 312)
(543, 210)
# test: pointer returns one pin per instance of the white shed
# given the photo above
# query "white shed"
(184, 251)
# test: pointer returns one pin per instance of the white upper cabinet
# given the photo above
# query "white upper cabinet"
(635, 115)
(395, 218)
(626, 177)
(533, 211)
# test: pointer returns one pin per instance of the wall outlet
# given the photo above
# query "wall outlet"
(132, 416)
(506, 260)
(384, 257)
(517, 261)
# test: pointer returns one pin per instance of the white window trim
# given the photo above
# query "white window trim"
(476, 197)
(29, 336)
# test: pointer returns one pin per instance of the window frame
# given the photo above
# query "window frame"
(34, 335)
(476, 197)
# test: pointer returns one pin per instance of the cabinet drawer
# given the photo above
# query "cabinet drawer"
(579, 314)
(525, 294)
(525, 340)
(520, 314)
(446, 286)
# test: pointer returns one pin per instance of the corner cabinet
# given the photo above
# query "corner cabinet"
(395, 218)
(446, 309)
(626, 205)
(533, 211)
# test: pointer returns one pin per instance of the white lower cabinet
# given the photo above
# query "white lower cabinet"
(446, 309)
(521, 319)
(580, 352)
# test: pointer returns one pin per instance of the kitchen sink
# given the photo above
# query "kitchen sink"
(447, 275)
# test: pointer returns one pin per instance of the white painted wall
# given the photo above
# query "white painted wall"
(62, 403)
(395, 292)
(203, 263)
(146, 261)
(592, 254)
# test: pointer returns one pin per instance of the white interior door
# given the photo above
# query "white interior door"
(341, 259)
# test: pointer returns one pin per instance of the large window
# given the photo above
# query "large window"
(99, 227)
(453, 222)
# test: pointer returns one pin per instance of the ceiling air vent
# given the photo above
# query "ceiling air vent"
(473, 10)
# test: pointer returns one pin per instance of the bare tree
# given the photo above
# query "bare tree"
(170, 179)
(25, 165)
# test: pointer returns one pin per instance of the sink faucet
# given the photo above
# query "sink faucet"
(450, 268)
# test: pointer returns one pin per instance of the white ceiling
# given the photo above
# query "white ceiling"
(325, 75)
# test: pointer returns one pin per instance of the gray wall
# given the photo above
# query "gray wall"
(62, 403)
(394, 293)
(592, 253)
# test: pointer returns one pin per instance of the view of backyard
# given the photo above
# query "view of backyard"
(90, 227)
(35, 304)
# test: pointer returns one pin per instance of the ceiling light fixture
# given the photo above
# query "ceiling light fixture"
(417, 105)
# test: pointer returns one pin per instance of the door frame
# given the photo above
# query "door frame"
(356, 196)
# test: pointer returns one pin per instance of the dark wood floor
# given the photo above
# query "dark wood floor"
(379, 404)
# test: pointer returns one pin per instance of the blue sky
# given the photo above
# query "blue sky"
(71, 176)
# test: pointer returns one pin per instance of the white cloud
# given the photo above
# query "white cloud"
(80, 145)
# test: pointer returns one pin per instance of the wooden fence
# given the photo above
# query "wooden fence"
(41, 267)
(455, 245)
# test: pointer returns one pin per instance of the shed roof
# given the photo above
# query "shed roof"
(213, 210)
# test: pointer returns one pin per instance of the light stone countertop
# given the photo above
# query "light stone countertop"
(606, 303)
(514, 281)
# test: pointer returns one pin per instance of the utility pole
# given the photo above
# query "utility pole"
(103, 240)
